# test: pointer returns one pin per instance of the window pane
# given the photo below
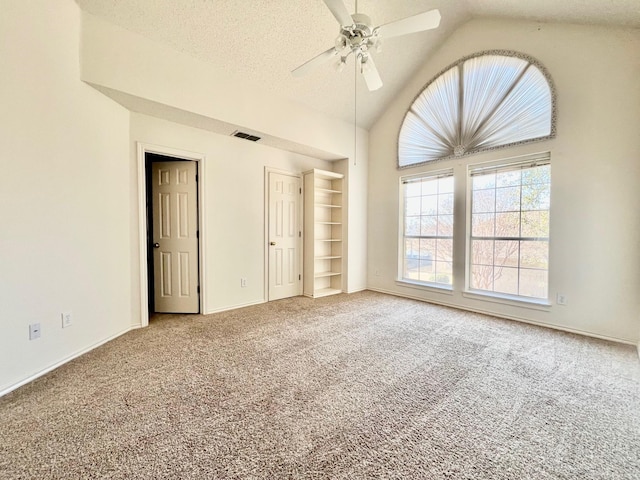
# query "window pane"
(484, 181)
(508, 199)
(430, 205)
(506, 253)
(507, 179)
(533, 283)
(445, 204)
(411, 269)
(412, 226)
(483, 224)
(412, 189)
(536, 197)
(508, 224)
(534, 254)
(412, 206)
(429, 226)
(426, 270)
(445, 225)
(444, 273)
(535, 224)
(444, 250)
(483, 201)
(427, 249)
(481, 277)
(430, 187)
(482, 252)
(445, 185)
(536, 175)
(412, 248)
(505, 280)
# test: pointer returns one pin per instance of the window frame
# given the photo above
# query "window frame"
(400, 279)
(538, 159)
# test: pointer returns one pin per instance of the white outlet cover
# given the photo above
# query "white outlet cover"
(67, 319)
(34, 331)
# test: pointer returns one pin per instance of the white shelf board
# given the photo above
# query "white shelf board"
(326, 274)
(323, 292)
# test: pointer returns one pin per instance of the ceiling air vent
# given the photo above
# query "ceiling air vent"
(246, 136)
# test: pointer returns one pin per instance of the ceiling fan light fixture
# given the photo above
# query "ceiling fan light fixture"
(341, 42)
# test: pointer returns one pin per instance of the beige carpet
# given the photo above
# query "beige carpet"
(359, 386)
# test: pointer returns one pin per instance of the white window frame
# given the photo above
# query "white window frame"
(538, 159)
(400, 280)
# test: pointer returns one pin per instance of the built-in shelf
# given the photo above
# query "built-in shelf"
(323, 249)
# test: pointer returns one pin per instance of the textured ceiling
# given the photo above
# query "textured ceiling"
(263, 40)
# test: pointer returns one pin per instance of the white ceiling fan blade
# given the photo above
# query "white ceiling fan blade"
(315, 62)
(370, 74)
(340, 11)
(416, 23)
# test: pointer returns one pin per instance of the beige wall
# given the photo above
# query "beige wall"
(595, 226)
(64, 195)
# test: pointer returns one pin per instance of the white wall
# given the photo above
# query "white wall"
(64, 195)
(356, 192)
(595, 226)
(234, 177)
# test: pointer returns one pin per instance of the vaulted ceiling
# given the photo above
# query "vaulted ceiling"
(263, 40)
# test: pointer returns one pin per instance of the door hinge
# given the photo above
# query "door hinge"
(196, 177)
(198, 288)
(300, 190)
(300, 234)
(197, 233)
(299, 277)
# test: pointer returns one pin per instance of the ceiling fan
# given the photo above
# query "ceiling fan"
(358, 36)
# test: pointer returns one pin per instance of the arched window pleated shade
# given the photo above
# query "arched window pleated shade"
(486, 101)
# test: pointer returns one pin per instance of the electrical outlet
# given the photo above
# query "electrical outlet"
(243, 282)
(34, 331)
(67, 319)
(561, 299)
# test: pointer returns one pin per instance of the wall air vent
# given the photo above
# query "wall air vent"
(246, 136)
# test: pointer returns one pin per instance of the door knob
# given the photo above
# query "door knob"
(272, 243)
(156, 245)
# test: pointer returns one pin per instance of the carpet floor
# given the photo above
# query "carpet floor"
(346, 387)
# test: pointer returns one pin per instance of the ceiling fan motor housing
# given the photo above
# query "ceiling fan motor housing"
(359, 36)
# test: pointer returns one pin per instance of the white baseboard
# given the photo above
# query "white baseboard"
(48, 369)
(233, 307)
(509, 317)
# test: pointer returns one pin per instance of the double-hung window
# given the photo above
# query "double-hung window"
(427, 230)
(509, 229)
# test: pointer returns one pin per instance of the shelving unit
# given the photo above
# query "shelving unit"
(323, 249)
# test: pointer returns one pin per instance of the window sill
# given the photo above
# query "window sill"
(533, 304)
(430, 287)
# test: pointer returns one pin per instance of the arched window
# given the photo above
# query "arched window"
(484, 101)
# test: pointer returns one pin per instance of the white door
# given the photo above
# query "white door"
(285, 234)
(175, 237)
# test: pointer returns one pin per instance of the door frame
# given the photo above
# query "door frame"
(143, 149)
(267, 172)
